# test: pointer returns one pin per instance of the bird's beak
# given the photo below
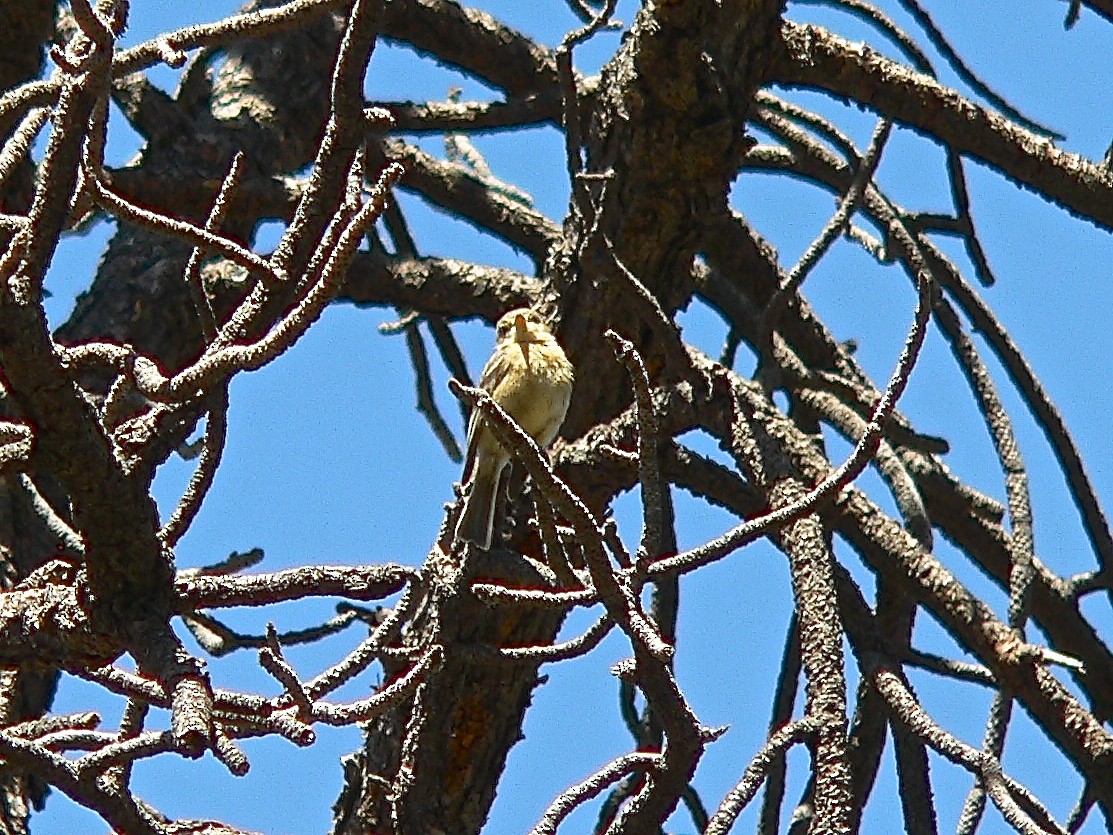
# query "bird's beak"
(521, 329)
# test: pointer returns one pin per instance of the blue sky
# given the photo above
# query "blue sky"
(328, 462)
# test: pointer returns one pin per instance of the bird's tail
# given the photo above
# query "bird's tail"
(477, 519)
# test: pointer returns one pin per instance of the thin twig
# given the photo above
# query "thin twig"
(831, 231)
(216, 433)
(772, 752)
(580, 793)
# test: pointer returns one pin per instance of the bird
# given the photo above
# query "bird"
(530, 377)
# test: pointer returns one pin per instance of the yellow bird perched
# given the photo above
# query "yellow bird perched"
(529, 376)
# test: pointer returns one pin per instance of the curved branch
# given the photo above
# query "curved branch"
(481, 202)
(473, 41)
(812, 57)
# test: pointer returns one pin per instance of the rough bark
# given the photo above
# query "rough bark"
(654, 145)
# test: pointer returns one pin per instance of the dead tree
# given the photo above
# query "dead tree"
(270, 121)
